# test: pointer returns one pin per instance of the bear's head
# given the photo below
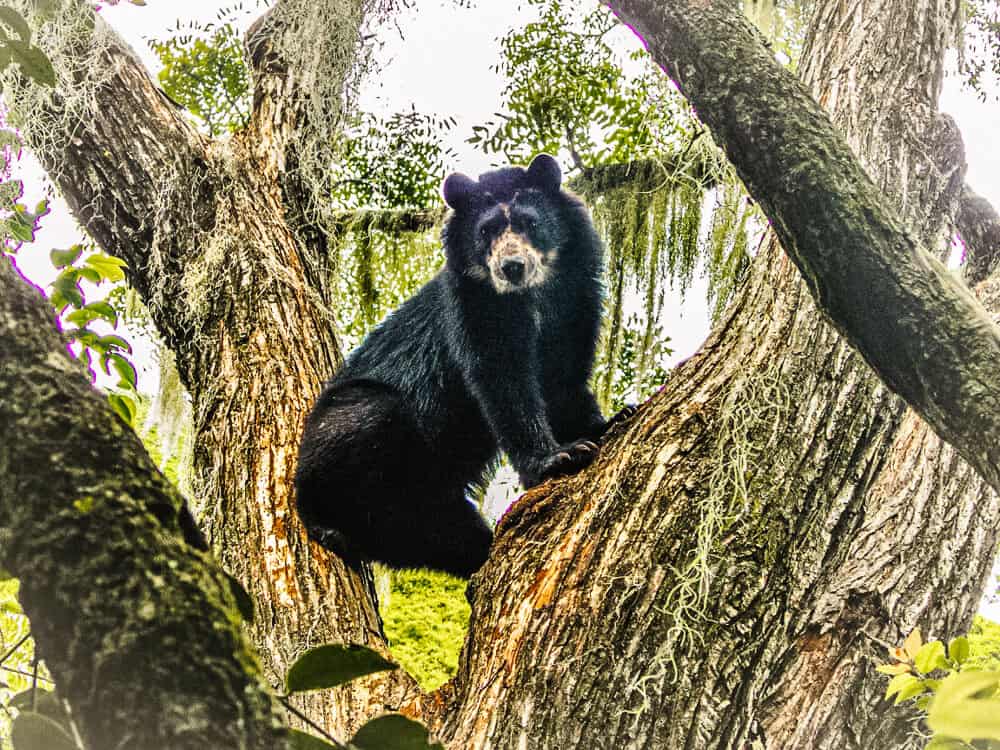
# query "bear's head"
(507, 228)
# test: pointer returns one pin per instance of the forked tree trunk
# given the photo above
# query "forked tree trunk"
(725, 574)
(219, 243)
(722, 575)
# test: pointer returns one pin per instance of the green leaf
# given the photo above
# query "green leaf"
(104, 310)
(394, 731)
(899, 682)
(911, 690)
(46, 704)
(124, 369)
(332, 665)
(111, 342)
(82, 317)
(243, 601)
(91, 275)
(33, 62)
(958, 649)
(930, 657)
(67, 257)
(109, 267)
(16, 22)
(5, 576)
(22, 229)
(33, 731)
(303, 741)
(85, 337)
(68, 289)
(966, 707)
(123, 406)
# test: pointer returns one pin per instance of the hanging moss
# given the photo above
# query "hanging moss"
(649, 214)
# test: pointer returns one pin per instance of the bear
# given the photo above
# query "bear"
(493, 354)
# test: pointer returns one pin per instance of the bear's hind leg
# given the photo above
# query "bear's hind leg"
(442, 533)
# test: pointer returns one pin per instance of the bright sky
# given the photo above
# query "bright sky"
(442, 65)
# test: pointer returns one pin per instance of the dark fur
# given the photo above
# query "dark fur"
(459, 372)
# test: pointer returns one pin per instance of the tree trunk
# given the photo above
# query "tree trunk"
(726, 572)
(97, 537)
(222, 243)
(723, 574)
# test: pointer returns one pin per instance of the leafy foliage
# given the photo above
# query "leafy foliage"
(393, 731)
(16, 47)
(328, 666)
(984, 645)
(390, 163)
(637, 372)
(111, 351)
(961, 701)
(381, 266)
(336, 664)
(18, 224)
(784, 23)
(17, 663)
(979, 58)
(204, 72)
(567, 91)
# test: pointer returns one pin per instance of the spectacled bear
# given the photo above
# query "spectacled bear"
(493, 354)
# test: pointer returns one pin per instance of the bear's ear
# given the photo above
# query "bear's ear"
(458, 190)
(544, 173)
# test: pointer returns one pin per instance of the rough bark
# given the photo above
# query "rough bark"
(912, 321)
(112, 588)
(718, 578)
(218, 246)
(979, 228)
(724, 574)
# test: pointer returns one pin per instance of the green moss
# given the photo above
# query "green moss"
(426, 617)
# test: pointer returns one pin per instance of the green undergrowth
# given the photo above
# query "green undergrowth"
(984, 644)
(426, 616)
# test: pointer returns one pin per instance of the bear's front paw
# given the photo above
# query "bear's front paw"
(566, 459)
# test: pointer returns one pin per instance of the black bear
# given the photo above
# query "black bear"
(494, 353)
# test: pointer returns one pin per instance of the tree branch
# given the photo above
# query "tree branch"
(118, 150)
(137, 627)
(301, 53)
(642, 176)
(979, 226)
(918, 328)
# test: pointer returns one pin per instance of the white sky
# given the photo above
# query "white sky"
(442, 65)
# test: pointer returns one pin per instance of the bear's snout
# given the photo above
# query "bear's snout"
(515, 263)
(513, 269)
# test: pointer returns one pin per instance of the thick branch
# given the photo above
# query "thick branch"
(919, 328)
(640, 176)
(137, 627)
(979, 226)
(281, 44)
(119, 152)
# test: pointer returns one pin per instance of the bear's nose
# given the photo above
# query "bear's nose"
(513, 269)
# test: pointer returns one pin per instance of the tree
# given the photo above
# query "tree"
(244, 306)
(724, 573)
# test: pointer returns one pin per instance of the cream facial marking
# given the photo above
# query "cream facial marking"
(515, 263)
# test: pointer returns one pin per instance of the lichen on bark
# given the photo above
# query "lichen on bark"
(112, 579)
